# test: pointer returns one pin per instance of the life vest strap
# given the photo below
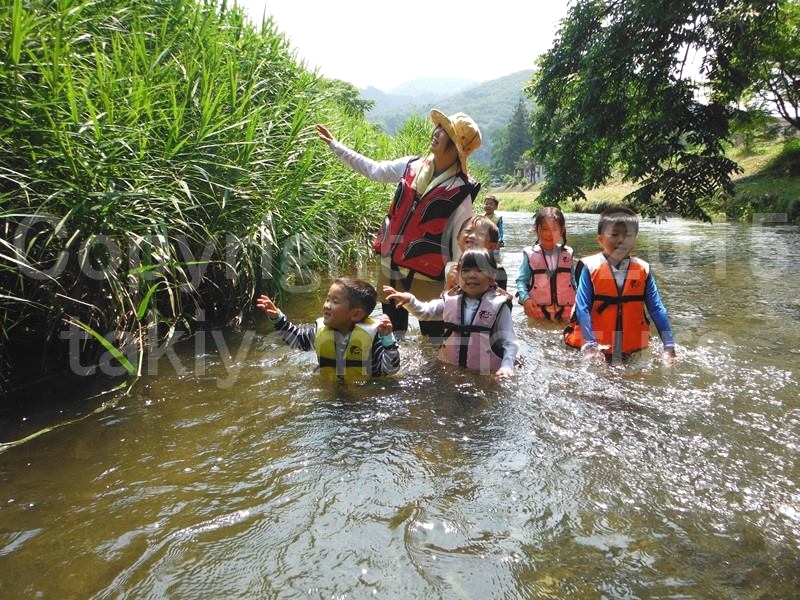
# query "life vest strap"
(451, 328)
(331, 362)
(607, 301)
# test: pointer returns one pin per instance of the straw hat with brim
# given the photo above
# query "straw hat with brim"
(462, 130)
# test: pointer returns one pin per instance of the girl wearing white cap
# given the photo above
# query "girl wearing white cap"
(434, 196)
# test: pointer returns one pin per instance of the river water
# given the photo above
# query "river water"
(230, 472)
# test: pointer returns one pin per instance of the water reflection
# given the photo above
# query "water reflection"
(239, 475)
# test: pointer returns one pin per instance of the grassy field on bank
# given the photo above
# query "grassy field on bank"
(769, 183)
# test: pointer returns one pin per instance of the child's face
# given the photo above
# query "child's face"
(336, 311)
(474, 237)
(489, 206)
(473, 281)
(549, 233)
(617, 241)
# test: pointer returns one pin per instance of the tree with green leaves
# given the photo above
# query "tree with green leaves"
(646, 91)
(513, 142)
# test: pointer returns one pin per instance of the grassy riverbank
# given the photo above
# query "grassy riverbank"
(769, 184)
(158, 168)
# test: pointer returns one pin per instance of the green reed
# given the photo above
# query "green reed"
(158, 168)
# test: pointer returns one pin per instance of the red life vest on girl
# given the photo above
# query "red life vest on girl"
(547, 286)
(615, 312)
(471, 345)
(411, 233)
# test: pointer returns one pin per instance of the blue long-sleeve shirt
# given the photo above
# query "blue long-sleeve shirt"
(584, 298)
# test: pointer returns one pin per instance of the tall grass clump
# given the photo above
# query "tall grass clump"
(158, 166)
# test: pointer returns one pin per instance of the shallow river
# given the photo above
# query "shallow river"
(230, 472)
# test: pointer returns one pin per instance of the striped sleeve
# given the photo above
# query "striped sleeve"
(385, 359)
(296, 336)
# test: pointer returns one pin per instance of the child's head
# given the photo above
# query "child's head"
(349, 301)
(490, 204)
(478, 232)
(477, 271)
(550, 227)
(617, 230)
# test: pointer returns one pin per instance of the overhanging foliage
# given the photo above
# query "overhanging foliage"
(646, 91)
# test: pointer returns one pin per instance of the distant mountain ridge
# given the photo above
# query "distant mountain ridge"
(490, 103)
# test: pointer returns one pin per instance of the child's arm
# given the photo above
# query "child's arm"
(584, 297)
(385, 353)
(299, 338)
(500, 241)
(425, 311)
(267, 306)
(504, 333)
(658, 312)
(524, 277)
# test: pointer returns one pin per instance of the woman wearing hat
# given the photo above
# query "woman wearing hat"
(434, 196)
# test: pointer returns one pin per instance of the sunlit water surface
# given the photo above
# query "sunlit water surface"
(231, 472)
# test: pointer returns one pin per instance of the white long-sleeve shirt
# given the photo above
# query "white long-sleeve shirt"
(504, 327)
(392, 171)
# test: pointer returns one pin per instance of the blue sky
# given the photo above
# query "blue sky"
(383, 44)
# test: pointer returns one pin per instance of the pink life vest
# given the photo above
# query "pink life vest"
(550, 287)
(471, 345)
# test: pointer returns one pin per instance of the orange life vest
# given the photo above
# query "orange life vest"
(615, 312)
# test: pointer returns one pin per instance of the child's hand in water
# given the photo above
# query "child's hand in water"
(532, 309)
(504, 373)
(669, 356)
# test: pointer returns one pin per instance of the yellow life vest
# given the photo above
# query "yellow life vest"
(355, 364)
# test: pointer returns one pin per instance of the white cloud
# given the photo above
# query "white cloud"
(370, 42)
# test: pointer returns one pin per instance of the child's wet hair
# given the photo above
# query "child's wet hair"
(360, 293)
(617, 214)
(551, 213)
(478, 258)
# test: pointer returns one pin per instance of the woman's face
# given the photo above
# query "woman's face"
(440, 141)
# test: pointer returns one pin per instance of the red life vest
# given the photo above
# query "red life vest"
(550, 287)
(471, 345)
(615, 312)
(411, 234)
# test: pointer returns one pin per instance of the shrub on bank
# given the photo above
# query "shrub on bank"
(158, 166)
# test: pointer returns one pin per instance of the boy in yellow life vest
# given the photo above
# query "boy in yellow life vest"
(613, 290)
(350, 344)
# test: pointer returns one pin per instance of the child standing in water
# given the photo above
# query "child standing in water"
(479, 333)
(476, 232)
(545, 283)
(613, 290)
(350, 345)
(490, 204)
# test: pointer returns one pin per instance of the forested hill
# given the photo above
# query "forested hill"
(490, 103)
